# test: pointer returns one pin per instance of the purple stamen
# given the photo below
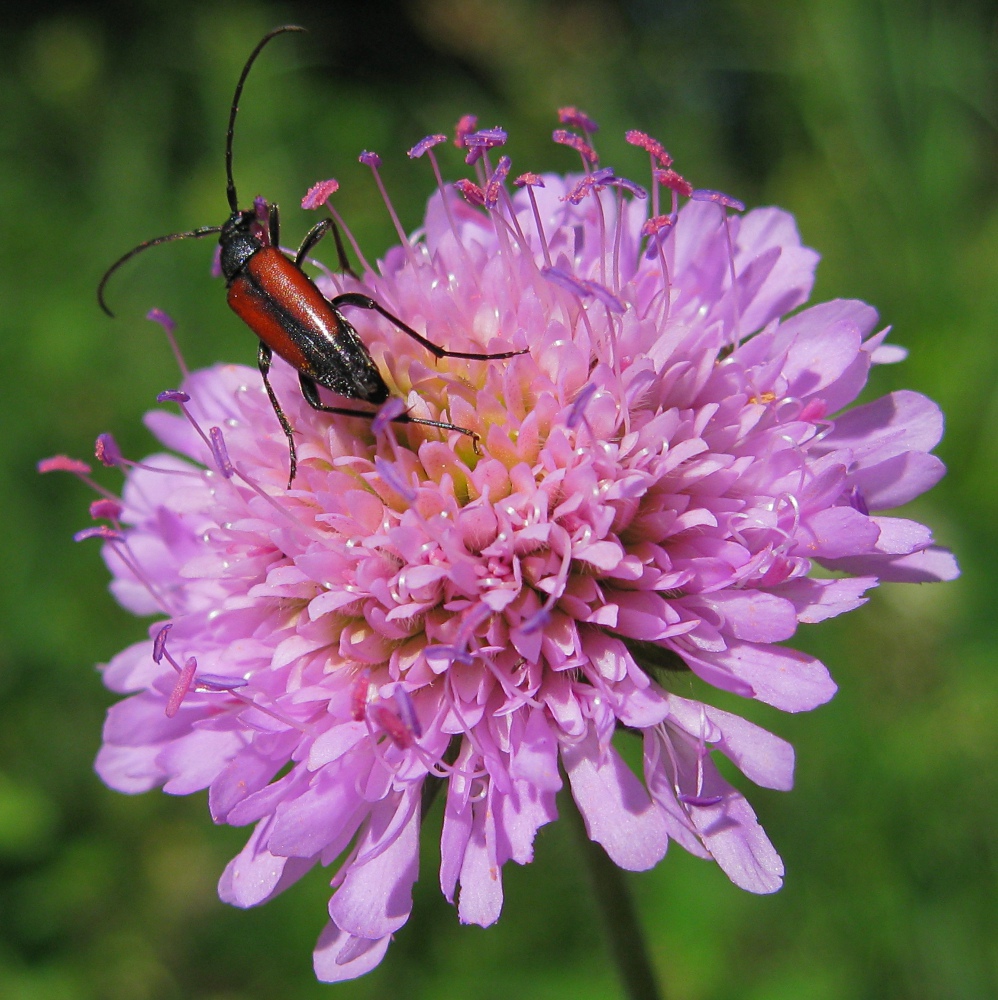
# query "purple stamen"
(319, 192)
(726, 201)
(218, 682)
(105, 509)
(584, 288)
(181, 688)
(675, 182)
(649, 145)
(465, 126)
(576, 413)
(575, 196)
(424, 145)
(261, 228)
(169, 325)
(656, 224)
(536, 621)
(494, 187)
(574, 118)
(159, 643)
(472, 193)
(358, 697)
(627, 185)
(107, 451)
(567, 281)
(391, 410)
(529, 180)
(700, 800)
(101, 531)
(216, 262)
(407, 711)
(393, 726)
(595, 181)
(605, 296)
(373, 161)
(486, 138)
(657, 229)
(173, 396)
(390, 476)
(220, 452)
(478, 142)
(63, 463)
(446, 655)
(167, 322)
(573, 141)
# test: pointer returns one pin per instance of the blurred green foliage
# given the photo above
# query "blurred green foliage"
(875, 123)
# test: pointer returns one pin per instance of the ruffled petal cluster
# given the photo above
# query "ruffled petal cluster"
(657, 486)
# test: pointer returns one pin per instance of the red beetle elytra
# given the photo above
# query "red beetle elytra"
(284, 308)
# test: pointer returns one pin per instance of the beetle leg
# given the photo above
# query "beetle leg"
(274, 226)
(314, 235)
(341, 253)
(366, 302)
(311, 393)
(263, 359)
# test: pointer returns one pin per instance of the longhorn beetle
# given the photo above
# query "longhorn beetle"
(285, 309)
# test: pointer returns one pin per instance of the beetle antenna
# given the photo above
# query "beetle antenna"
(194, 234)
(230, 188)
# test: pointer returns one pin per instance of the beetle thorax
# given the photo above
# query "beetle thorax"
(238, 243)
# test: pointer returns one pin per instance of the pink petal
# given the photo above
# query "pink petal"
(534, 756)
(897, 480)
(306, 824)
(255, 876)
(902, 421)
(339, 956)
(835, 532)
(759, 755)
(375, 898)
(817, 600)
(753, 615)
(618, 812)
(480, 901)
(931, 565)
(784, 678)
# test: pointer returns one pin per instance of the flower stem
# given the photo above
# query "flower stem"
(624, 936)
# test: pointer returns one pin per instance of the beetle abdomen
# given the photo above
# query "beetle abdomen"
(285, 309)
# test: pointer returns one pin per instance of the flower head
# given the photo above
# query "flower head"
(646, 495)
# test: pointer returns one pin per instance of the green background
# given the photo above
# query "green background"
(875, 123)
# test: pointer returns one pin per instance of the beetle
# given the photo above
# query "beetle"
(281, 304)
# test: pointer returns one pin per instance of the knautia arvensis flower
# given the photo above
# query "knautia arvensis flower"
(652, 486)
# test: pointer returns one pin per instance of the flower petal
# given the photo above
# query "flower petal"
(618, 812)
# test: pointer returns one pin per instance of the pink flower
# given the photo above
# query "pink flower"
(657, 478)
